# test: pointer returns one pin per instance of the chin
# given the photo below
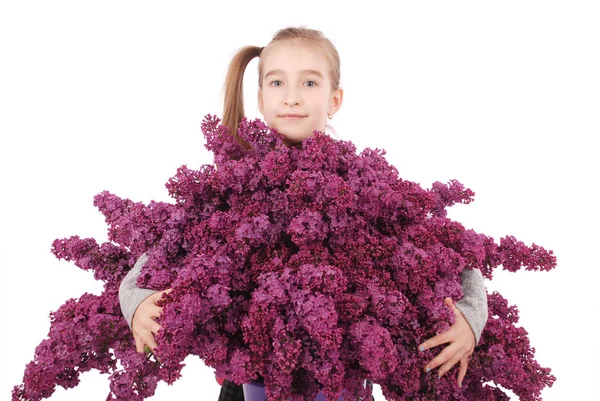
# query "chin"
(294, 136)
(298, 138)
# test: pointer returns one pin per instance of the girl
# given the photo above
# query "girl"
(298, 90)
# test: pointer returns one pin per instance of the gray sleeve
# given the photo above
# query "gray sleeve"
(130, 295)
(473, 304)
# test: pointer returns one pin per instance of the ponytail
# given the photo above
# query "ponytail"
(233, 105)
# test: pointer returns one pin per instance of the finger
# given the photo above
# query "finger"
(452, 306)
(153, 326)
(453, 360)
(444, 337)
(153, 311)
(150, 341)
(442, 357)
(464, 364)
(439, 339)
(139, 343)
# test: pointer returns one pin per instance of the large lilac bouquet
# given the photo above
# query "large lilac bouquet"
(309, 268)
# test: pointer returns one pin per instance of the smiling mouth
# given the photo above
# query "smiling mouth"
(292, 116)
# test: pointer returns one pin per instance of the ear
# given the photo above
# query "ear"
(260, 101)
(336, 100)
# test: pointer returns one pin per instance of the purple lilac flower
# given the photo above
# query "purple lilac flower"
(309, 268)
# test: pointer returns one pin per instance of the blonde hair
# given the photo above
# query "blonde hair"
(233, 104)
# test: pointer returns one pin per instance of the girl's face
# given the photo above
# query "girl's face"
(296, 93)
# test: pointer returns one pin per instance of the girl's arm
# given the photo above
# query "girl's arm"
(473, 304)
(139, 307)
(130, 295)
(471, 315)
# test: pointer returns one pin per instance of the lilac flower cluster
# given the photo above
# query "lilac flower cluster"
(309, 268)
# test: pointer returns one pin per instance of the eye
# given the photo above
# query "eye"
(276, 81)
(313, 82)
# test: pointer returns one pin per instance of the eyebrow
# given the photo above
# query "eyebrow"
(306, 72)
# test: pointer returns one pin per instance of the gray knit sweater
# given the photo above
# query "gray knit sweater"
(473, 304)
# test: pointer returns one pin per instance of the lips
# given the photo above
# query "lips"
(292, 116)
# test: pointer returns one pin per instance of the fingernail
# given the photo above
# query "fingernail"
(421, 348)
(460, 385)
(427, 370)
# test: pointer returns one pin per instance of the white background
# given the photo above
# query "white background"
(503, 96)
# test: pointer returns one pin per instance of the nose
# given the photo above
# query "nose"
(292, 97)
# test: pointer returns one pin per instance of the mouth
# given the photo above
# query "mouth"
(292, 116)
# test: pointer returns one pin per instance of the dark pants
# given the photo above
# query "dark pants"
(232, 392)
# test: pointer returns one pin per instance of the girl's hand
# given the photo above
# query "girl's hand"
(462, 343)
(143, 323)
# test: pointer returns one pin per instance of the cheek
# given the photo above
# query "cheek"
(270, 122)
(319, 106)
(270, 119)
(268, 107)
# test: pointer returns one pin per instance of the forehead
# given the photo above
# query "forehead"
(291, 57)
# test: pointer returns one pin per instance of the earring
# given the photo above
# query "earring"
(329, 116)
